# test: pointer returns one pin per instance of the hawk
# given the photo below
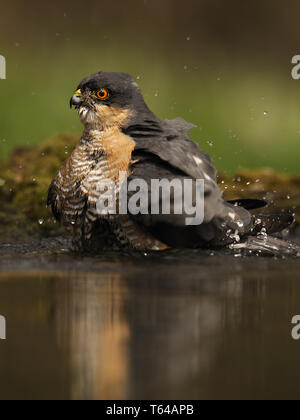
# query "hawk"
(122, 135)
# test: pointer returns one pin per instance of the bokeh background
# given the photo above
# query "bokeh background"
(223, 65)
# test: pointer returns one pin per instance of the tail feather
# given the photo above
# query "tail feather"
(249, 204)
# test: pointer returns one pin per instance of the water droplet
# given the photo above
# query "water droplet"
(262, 234)
(156, 94)
(210, 143)
(288, 197)
(41, 221)
(235, 236)
(266, 113)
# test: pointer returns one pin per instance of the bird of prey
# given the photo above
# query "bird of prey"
(121, 134)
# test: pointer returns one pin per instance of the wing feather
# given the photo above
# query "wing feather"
(172, 155)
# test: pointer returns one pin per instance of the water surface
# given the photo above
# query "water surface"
(179, 325)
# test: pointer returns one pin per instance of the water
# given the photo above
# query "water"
(179, 325)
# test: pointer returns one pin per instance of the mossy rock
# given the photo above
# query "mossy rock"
(24, 181)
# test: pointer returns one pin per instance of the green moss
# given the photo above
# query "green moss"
(24, 181)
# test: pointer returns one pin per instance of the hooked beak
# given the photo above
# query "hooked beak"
(76, 99)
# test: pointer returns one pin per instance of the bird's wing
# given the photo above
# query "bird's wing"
(173, 155)
(67, 200)
(173, 146)
(54, 201)
(222, 221)
(175, 149)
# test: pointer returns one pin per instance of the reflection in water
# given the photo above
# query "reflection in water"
(119, 338)
(92, 325)
(216, 329)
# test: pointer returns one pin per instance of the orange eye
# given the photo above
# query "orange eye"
(102, 94)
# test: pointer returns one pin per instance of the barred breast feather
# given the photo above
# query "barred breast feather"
(74, 193)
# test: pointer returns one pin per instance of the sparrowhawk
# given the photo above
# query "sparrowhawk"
(122, 135)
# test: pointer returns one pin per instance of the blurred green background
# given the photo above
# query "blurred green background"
(225, 66)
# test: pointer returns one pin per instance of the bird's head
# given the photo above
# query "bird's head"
(106, 100)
